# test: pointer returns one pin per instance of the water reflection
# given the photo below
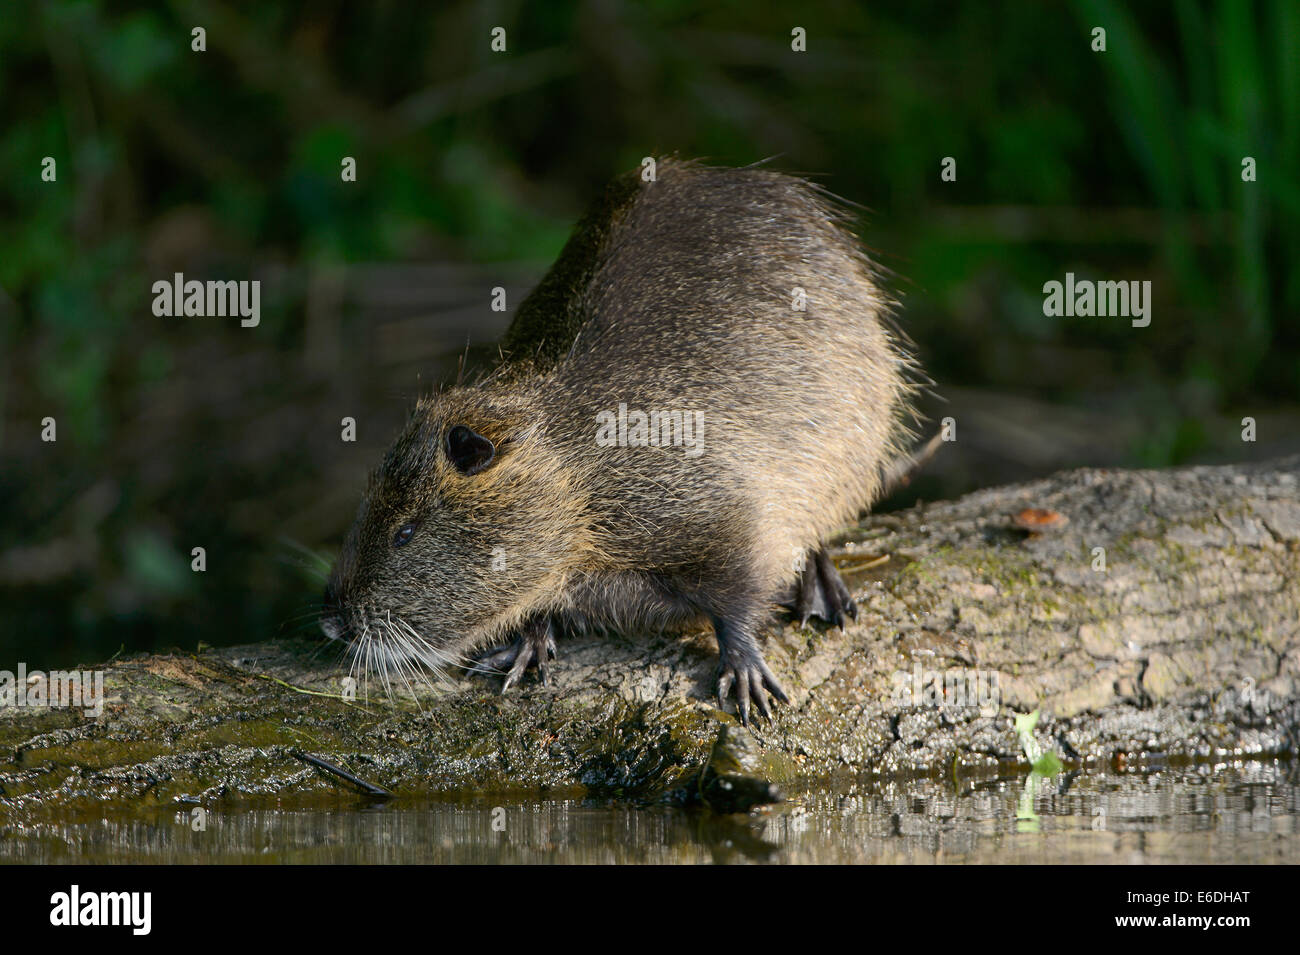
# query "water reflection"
(1245, 812)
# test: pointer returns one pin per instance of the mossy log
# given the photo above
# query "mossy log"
(1154, 616)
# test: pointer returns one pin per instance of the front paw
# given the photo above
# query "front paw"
(533, 647)
(749, 675)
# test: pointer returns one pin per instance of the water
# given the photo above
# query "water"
(1246, 812)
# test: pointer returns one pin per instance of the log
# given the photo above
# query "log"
(1147, 615)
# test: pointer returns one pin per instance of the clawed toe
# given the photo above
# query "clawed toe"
(821, 592)
(533, 647)
(752, 682)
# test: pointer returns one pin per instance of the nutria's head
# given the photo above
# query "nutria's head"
(471, 522)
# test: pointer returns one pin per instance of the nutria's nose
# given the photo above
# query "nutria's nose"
(332, 627)
(331, 603)
(331, 613)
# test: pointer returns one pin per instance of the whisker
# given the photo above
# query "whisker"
(398, 661)
(312, 614)
(400, 656)
(326, 643)
(433, 658)
(306, 559)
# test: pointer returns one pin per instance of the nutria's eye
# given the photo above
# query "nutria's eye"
(404, 534)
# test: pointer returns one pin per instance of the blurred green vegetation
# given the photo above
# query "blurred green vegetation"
(1119, 165)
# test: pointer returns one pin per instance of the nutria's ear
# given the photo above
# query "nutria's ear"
(469, 451)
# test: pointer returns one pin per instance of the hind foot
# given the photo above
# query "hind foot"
(821, 592)
(533, 647)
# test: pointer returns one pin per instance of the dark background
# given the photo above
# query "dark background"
(175, 433)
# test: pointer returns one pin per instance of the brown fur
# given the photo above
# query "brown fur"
(672, 295)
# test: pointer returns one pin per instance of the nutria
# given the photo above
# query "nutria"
(666, 436)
